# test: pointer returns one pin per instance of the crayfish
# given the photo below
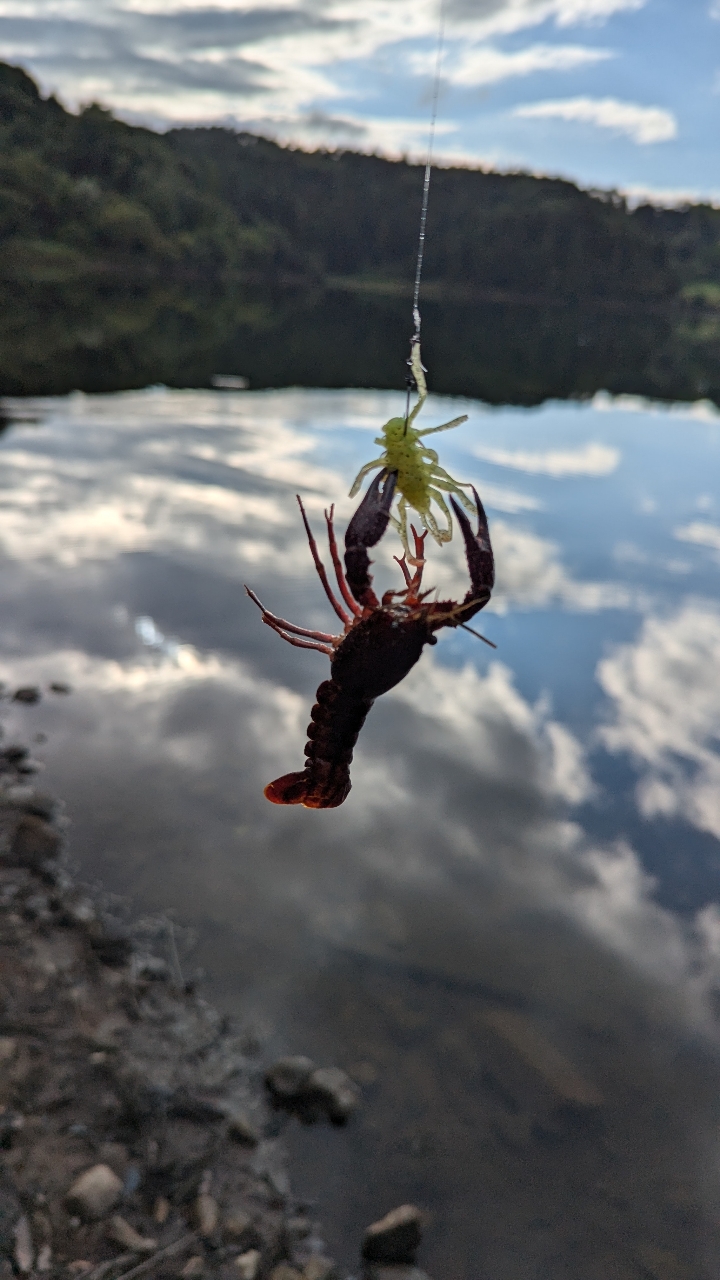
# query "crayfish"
(380, 643)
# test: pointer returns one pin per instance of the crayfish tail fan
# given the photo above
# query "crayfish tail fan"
(298, 788)
(290, 789)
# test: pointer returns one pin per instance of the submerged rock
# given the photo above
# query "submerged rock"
(395, 1238)
(287, 1079)
(335, 1090)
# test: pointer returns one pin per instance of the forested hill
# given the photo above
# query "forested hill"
(129, 257)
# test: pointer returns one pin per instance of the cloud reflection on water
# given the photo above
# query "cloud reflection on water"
(666, 713)
(462, 852)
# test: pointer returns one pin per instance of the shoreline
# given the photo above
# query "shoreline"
(140, 1134)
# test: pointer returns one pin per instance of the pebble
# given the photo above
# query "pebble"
(44, 1258)
(288, 1077)
(122, 1233)
(95, 1192)
(236, 1224)
(248, 1264)
(8, 1047)
(395, 1273)
(318, 1268)
(285, 1272)
(193, 1268)
(161, 1210)
(206, 1213)
(23, 1253)
(241, 1130)
(79, 1267)
(395, 1238)
(34, 841)
(115, 1155)
(337, 1092)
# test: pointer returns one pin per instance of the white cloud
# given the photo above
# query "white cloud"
(65, 510)
(487, 65)
(496, 498)
(588, 460)
(695, 410)
(701, 533)
(529, 574)
(666, 713)
(467, 707)
(274, 66)
(503, 17)
(642, 125)
(667, 197)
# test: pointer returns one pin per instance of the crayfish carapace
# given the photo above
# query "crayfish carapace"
(380, 643)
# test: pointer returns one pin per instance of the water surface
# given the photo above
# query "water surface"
(510, 933)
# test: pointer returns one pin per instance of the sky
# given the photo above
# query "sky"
(620, 94)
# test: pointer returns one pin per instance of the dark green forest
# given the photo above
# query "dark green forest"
(129, 257)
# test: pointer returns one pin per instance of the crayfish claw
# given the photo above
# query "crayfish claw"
(478, 549)
(365, 530)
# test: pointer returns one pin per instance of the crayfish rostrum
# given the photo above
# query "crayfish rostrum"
(380, 643)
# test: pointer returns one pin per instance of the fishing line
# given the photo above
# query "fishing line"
(415, 339)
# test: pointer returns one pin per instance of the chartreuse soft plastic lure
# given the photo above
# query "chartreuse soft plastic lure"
(420, 478)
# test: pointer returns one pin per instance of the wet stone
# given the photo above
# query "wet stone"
(110, 941)
(287, 1078)
(395, 1273)
(23, 1253)
(34, 842)
(336, 1092)
(95, 1192)
(240, 1128)
(206, 1214)
(28, 694)
(44, 1258)
(394, 1238)
(8, 1048)
(193, 1268)
(248, 1264)
(319, 1268)
(236, 1224)
(161, 1210)
(119, 1230)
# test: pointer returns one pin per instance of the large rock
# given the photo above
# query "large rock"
(95, 1192)
(395, 1238)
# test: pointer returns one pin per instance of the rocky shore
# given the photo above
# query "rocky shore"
(140, 1132)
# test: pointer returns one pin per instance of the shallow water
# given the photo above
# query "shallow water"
(509, 932)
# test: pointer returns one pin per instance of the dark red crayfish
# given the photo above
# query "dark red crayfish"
(380, 643)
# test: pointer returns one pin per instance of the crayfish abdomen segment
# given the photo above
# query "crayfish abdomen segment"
(324, 783)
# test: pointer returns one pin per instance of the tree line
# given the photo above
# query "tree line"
(129, 257)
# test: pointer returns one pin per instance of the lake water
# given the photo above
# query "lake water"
(510, 933)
